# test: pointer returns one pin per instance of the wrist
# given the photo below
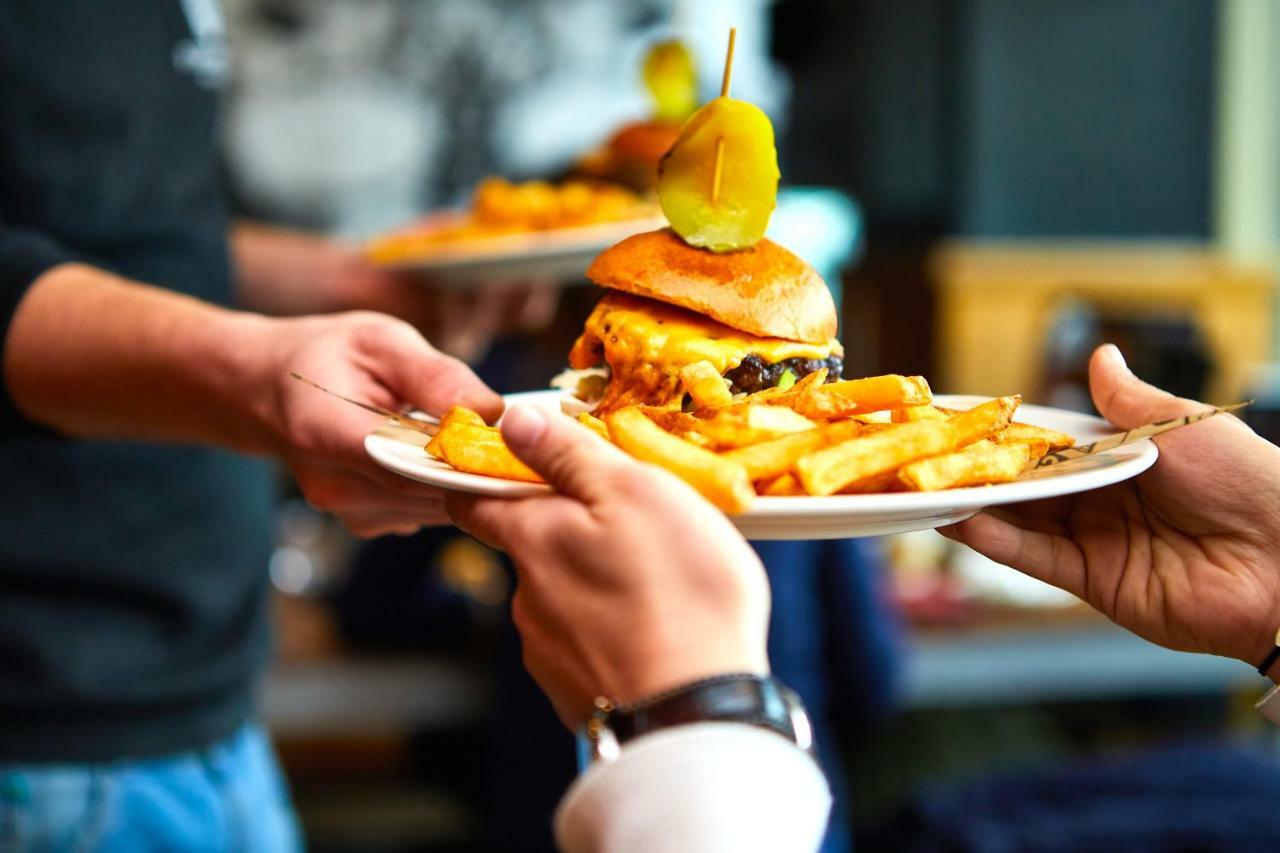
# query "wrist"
(674, 669)
(742, 698)
(242, 372)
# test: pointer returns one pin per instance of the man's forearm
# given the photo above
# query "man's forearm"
(93, 355)
(284, 272)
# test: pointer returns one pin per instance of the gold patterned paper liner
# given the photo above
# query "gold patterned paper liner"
(1110, 442)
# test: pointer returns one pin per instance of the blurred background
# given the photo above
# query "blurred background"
(992, 188)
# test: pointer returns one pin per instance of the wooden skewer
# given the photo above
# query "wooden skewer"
(715, 173)
(728, 64)
(399, 417)
(718, 169)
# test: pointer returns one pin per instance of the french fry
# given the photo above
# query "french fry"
(782, 486)
(803, 386)
(455, 415)
(981, 463)
(594, 424)
(873, 394)
(771, 458)
(827, 471)
(776, 396)
(461, 415)
(731, 428)
(722, 481)
(880, 483)
(481, 450)
(777, 420)
(1026, 433)
(984, 420)
(705, 385)
(1037, 447)
(917, 413)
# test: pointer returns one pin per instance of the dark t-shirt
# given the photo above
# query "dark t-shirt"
(132, 576)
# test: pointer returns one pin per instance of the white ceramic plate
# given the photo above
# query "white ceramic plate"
(553, 256)
(835, 517)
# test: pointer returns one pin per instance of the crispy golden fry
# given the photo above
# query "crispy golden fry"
(722, 481)
(771, 458)
(594, 424)
(774, 396)
(1034, 435)
(705, 385)
(917, 413)
(456, 415)
(869, 427)
(873, 394)
(984, 420)
(1037, 447)
(849, 463)
(731, 428)
(461, 415)
(782, 486)
(880, 483)
(803, 386)
(481, 450)
(777, 420)
(981, 463)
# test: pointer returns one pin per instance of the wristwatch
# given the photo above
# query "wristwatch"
(747, 698)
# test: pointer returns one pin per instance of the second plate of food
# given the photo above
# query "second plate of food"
(837, 516)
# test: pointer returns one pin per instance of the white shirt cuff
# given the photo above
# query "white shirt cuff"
(701, 788)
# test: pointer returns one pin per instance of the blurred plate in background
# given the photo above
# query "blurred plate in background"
(558, 255)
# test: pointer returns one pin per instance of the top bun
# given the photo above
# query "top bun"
(764, 290)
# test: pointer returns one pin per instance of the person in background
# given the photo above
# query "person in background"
(133, 546)
(633, 589)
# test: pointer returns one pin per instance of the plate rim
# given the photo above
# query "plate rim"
(524, 246)
(1138, 458)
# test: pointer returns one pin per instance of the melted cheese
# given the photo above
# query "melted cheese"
(645, 343)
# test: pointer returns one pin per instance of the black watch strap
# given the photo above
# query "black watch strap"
(740, 698)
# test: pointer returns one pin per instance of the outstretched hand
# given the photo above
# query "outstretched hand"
(380, 360)
(1184, 555)
(629, 582)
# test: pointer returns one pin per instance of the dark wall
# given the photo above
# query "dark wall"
(1005, 117)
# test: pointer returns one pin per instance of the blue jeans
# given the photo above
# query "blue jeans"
(227, 797)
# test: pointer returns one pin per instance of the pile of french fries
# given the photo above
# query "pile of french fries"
(853, 436)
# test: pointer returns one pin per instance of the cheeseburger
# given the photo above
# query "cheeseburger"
(762, 316)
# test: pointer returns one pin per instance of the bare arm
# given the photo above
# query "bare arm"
(92, 355)
(284, 272)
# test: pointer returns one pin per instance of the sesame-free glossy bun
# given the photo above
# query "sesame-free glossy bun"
(765, 290)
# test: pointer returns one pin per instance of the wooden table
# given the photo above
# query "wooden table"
(996, 302)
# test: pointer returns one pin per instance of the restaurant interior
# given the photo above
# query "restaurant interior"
(991, 188)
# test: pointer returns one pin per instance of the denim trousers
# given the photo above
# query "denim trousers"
(226, 797)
